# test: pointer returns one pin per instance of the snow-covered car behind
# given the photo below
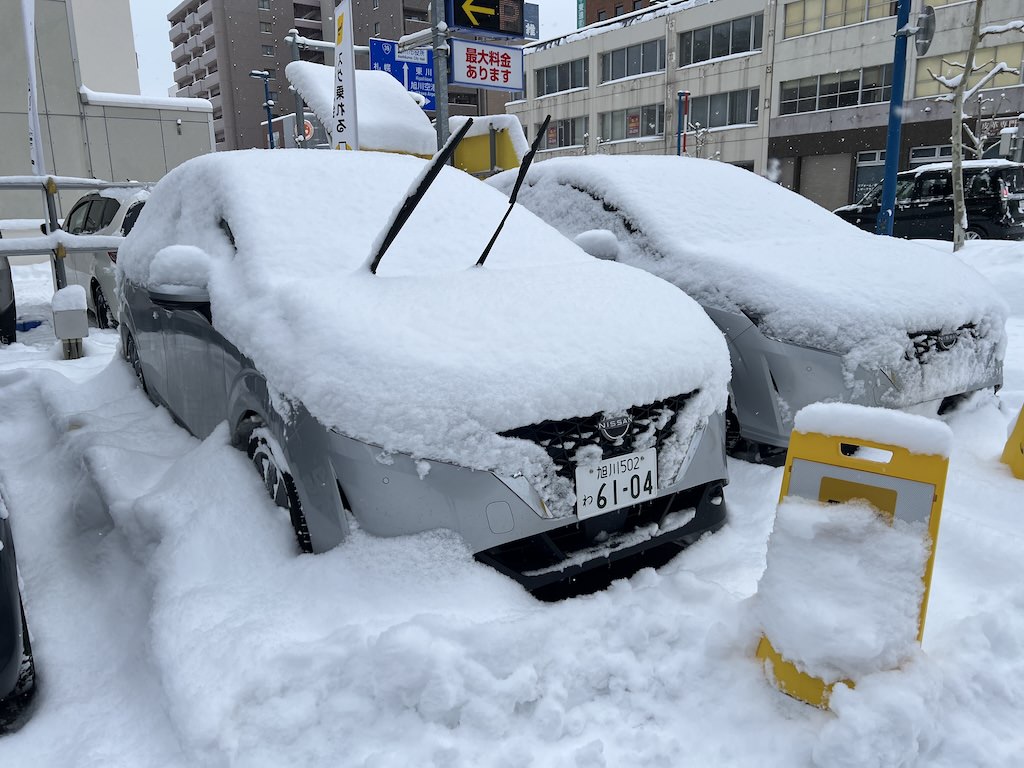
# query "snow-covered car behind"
(813, 309)
(504, 402)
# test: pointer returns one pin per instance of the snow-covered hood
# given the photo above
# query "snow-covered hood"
(432, 356)
(735, 241)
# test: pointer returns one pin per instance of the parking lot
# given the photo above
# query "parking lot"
(173, 624)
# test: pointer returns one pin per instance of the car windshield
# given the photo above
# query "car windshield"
(904, 187)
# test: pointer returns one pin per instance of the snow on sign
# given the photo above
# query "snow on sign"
(484, 65)
(414, 69)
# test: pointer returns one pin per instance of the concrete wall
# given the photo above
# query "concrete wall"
(106, 45)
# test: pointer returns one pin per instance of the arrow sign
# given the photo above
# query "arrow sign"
(489, 18)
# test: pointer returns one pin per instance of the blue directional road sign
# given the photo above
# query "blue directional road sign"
(413, 68)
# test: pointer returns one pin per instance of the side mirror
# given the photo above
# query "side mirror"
(180, 275)
(599, 243)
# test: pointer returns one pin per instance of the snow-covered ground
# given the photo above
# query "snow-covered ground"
(174, 626)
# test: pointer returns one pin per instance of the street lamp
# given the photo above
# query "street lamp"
(262, 74)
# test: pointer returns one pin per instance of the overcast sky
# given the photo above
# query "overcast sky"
(156, 71)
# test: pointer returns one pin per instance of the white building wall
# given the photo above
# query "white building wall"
(106, 45)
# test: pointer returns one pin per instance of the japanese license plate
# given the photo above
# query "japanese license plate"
(615, 483)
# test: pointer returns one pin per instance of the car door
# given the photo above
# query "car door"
(76, 265)
(194, 367)
(931, 207)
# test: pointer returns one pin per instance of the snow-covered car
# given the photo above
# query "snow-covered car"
(112, 211)
(17, 670)
(503, 402)
(8, 310)
(813, 309)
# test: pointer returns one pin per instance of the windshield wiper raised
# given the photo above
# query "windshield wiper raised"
(523, 168)
(419, 188)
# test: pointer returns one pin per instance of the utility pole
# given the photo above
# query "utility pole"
(440, 35)
(261, 74)
(883, 226)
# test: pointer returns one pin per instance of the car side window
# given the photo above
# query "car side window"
(110, 209)
(94, 216)
(75, 222)
(931, 186)
(904, 189)
(131, 217)
(978, 184)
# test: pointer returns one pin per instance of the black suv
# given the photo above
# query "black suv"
(993, 191)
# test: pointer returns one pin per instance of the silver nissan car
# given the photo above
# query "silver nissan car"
(408, 377)
(813, 309)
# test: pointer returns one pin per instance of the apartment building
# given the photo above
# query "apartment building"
(217, 43)
(799, 88)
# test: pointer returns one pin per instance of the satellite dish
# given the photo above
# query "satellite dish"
(925, 30)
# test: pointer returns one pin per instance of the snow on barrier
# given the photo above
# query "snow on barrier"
(1013, 453)
(850, 558)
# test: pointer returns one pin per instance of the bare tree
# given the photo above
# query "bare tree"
(961, 93)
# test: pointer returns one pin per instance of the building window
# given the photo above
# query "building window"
(806, 16)
(376, 28)
(268, 50)
(564, 133)
(618, 10)
(633, 123)
(729, 37)
(563, 77)
(870, 171)
(273, 95)
(602, 15)
(1011, 53)
(934, 154)
(637, 4)
(271, 73)
(870, 85)
(722, 109)
(376, 4)
(265, 27)
(264, 5)
(640, 59)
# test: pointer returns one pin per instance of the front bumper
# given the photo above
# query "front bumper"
(504, 522)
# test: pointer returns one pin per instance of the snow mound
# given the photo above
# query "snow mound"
(389, 119)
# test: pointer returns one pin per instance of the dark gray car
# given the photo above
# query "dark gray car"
(8, 310)
(17, 670)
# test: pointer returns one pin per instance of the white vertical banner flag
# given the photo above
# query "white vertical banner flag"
(344, 131)
(35, 135)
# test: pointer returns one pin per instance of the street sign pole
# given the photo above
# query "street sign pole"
(440, 73)
(883, 226)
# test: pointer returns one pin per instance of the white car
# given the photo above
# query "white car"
(418, 391)
(112, 211)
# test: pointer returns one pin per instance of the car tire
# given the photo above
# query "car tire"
(131, 355)
(974, 233)
(279, 484)
(104, 314)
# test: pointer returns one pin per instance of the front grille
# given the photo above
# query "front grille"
(566, 438)
(924, 344)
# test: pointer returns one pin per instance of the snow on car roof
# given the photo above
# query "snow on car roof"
(967, 165)
(738, 242)
(389, 119)
(432, 356)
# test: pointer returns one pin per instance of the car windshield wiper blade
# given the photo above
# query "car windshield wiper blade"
(523, 168)
(419, 188)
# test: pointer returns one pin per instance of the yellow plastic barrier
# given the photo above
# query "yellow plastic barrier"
(902, 484)
(473, 155)
(1013, 454)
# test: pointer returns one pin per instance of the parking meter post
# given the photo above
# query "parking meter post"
(886, 213)
(440, 72)
(300, 107)
(49, 194)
